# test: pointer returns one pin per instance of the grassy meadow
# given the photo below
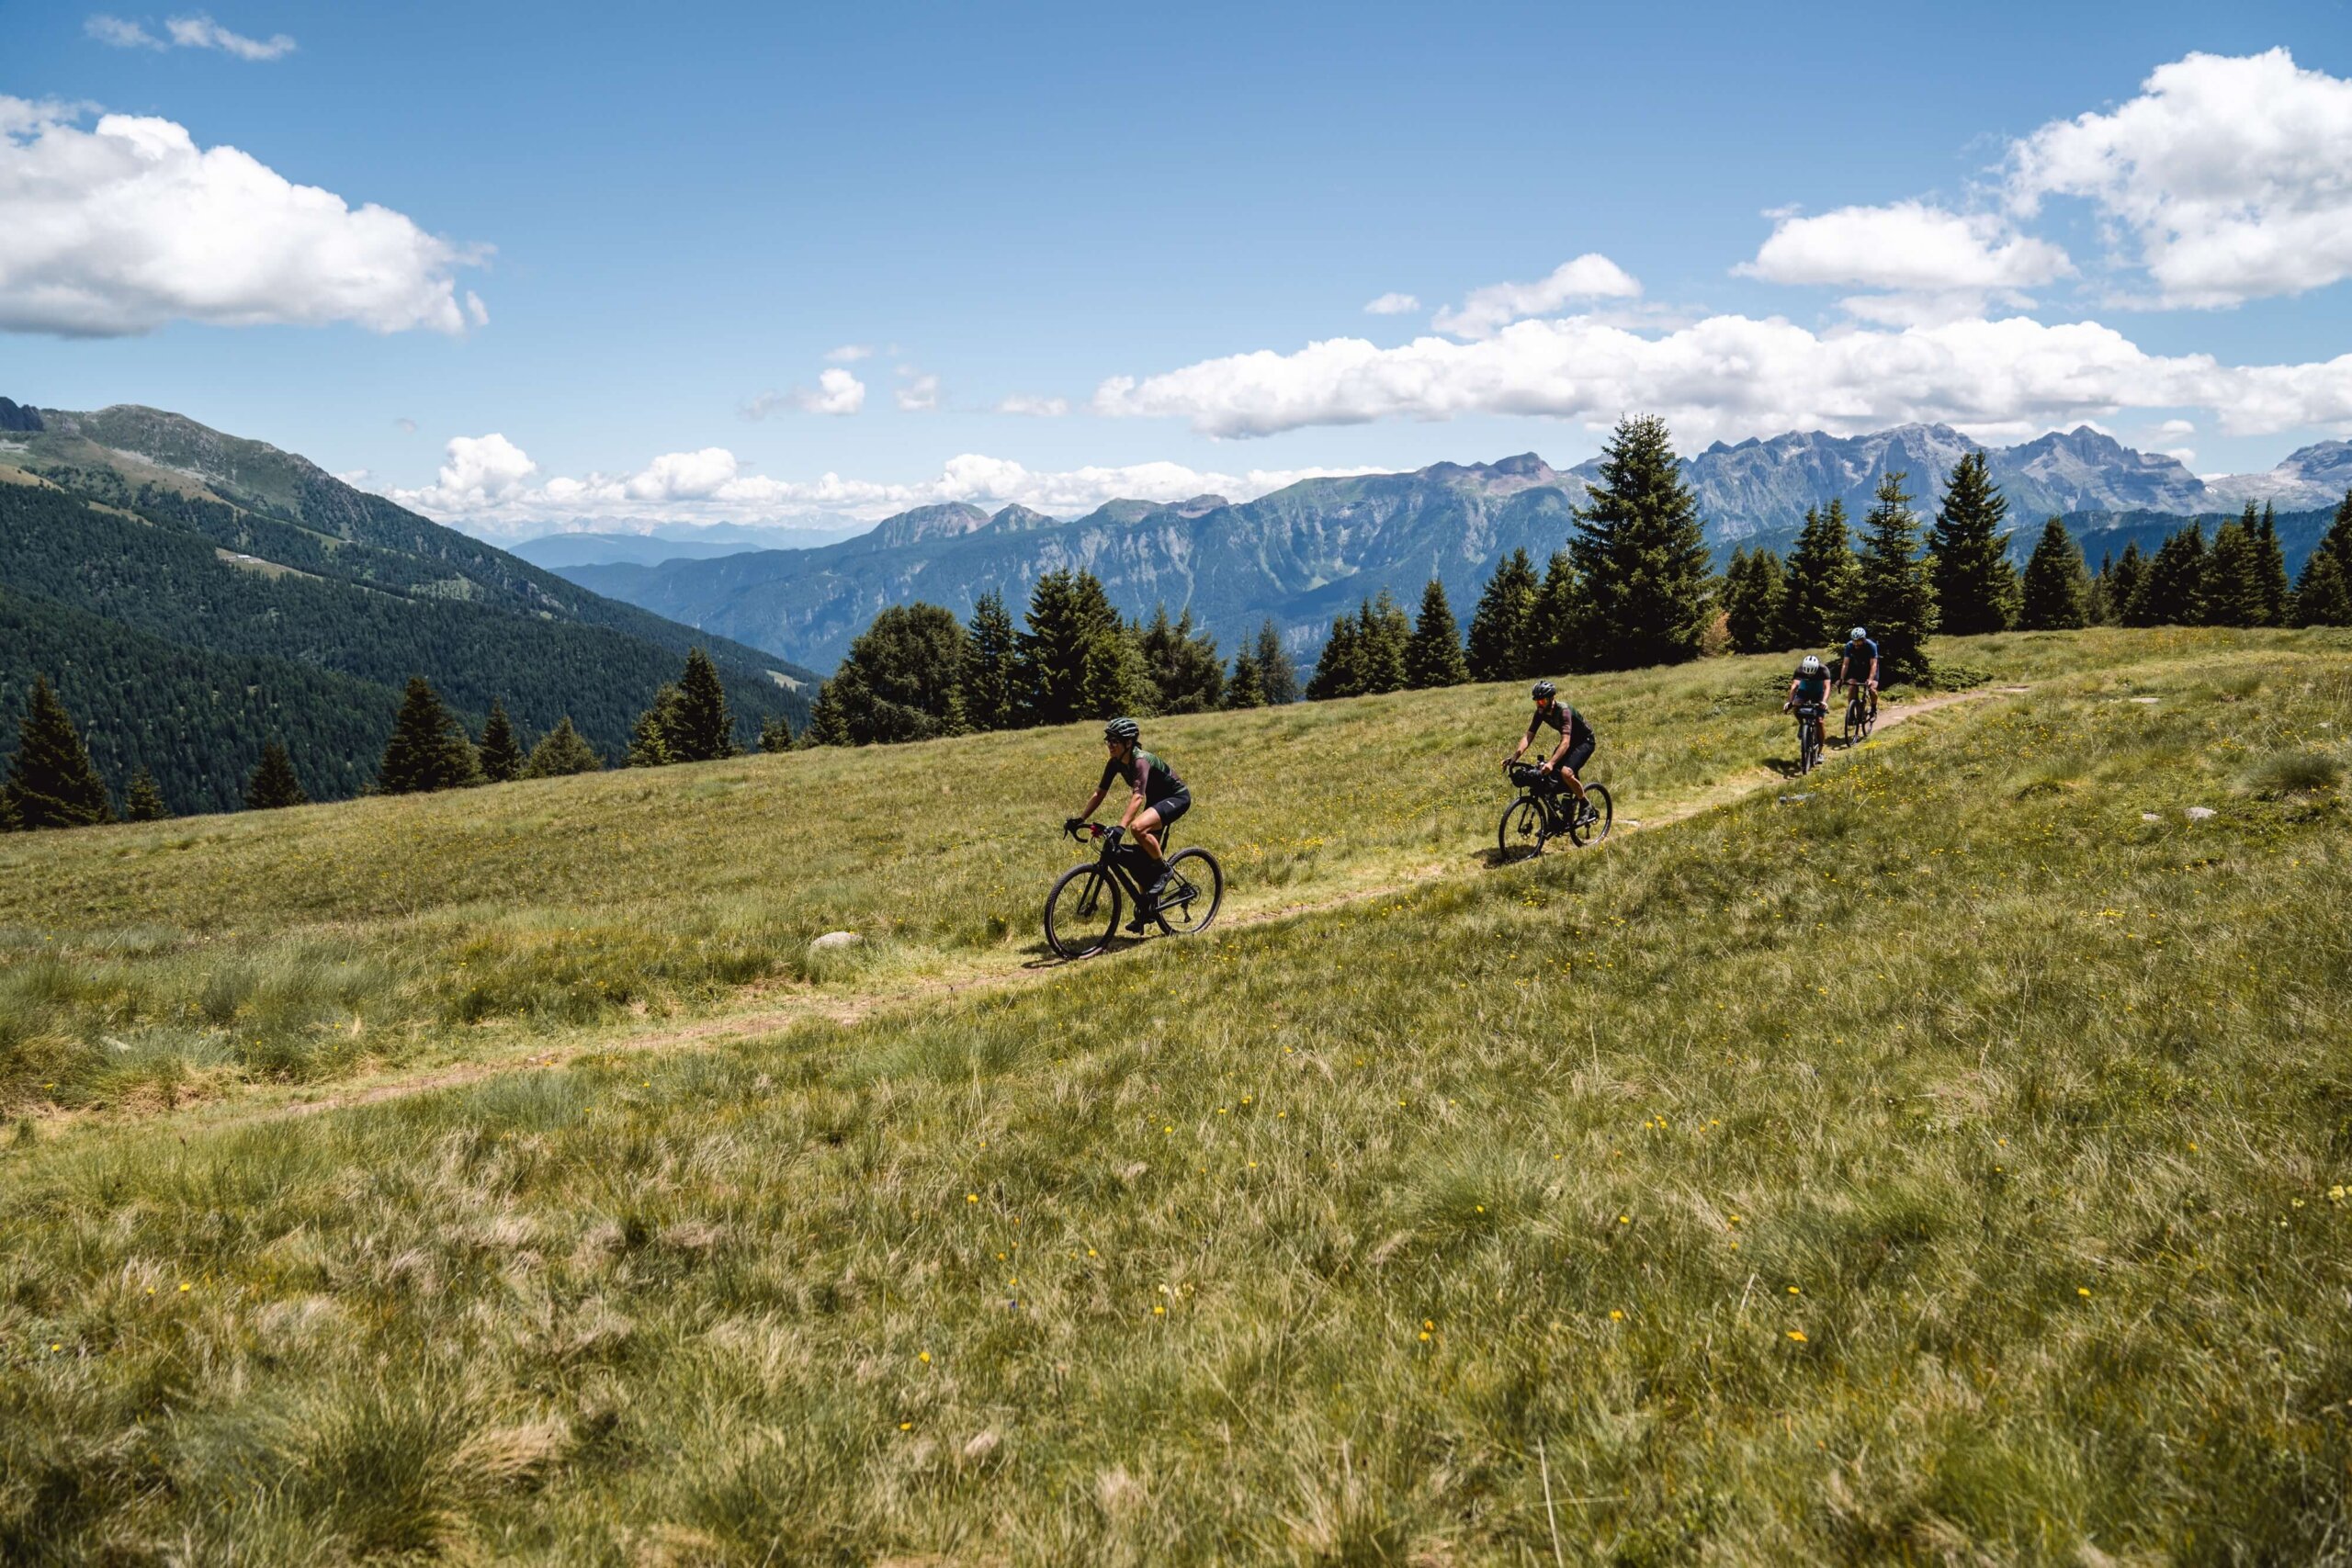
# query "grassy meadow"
(144, 966)
(1945, 1163)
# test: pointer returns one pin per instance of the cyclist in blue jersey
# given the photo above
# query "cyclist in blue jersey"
(1809, 689)
(1858, 666)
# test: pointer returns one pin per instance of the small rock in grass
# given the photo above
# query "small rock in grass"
(1794, 799)
(2150, 816)
(836, 939)
(2199, 813)
(2143, 699)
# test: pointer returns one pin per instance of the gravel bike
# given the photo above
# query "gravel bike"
(1861, 714)
(1547, 809)
(1809, 735)
(1082, 911)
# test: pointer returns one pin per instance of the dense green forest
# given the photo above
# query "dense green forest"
(184, 632)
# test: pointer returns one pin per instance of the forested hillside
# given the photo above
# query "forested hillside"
(187, 614)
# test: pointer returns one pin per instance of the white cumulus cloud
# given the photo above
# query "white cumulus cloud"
(1032, 407)
(917, 394)
(849, 353)
(481, 471)
(2233, 175)
(1934, 266)
(836, 393)
(1486, 310)
(1392, 304)
(121, 228)
(1732, 376)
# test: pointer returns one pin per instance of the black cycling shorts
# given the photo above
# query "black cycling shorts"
(1579, 755)
(1172, 806)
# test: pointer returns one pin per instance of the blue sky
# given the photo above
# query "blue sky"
(670, 218)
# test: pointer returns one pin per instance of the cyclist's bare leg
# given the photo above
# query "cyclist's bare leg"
(1147, 830)
(1568, 776)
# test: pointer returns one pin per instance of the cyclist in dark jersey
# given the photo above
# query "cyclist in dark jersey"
(1156, 798)
(1576, 739)
(1809, 690)
(1857, 665)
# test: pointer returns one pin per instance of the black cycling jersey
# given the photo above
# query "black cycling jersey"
(1143, 772)
(1562, 718)
(1813, 688)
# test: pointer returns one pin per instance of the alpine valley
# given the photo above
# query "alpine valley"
(192, 595)
(1301, 554)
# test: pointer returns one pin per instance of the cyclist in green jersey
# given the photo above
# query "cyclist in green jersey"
(1156, 798)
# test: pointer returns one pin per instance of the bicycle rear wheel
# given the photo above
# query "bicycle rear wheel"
(1580, 831)
(1082, 911)
(1523, 830)
(1195, 887)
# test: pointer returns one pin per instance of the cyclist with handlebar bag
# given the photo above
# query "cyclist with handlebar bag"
(1156, 798)
(1577, 741)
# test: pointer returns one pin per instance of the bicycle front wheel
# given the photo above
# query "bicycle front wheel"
(1082, 911)
(1523, 830)
(1592, 830)
(1858, 723)
(1195, 887)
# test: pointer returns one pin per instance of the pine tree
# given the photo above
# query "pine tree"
(1754, 588)
(1276, 673)
(274, 784)
(2172, 591)
(1113, 679)
(1640, 554)
(561, 751)
(1338, 673)
(1245, 689)
(990, 657)
(649, 739)
(9, 821)
(2324, 593)
(1051, 652)
(2232, 583)
(1433, 657)
(1968, 554)
(775, 734)
(1559, 630)
(51, 783)
(698, 727)
(1499, 626)
(2270, 568)
(2119, 584)
(898, 680)
(502, 757)
(428, 750)
(1187, 673)
(1898, 601)
(2057, 588)
(144, 801)
(1824, 582)
(1382, 637)
(828, 724)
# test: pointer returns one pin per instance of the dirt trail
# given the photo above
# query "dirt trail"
(915, 994)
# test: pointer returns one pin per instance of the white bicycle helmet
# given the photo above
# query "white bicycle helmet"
(1858, 634)
(1812, 665)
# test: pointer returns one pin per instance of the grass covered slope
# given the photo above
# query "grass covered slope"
(1948, 1166)
(141, 965)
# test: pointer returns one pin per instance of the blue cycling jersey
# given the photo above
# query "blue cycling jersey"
(1859, 656)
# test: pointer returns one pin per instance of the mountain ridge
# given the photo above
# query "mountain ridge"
(1301, 554)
